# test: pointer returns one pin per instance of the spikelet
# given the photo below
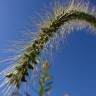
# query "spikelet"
(64, 19)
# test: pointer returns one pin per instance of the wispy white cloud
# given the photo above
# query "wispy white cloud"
(66, 94)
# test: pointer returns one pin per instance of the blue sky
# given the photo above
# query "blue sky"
(74, 68)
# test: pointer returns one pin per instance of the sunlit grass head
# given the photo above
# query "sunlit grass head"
(63, 20)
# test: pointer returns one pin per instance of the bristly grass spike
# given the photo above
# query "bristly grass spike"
(63, 21)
